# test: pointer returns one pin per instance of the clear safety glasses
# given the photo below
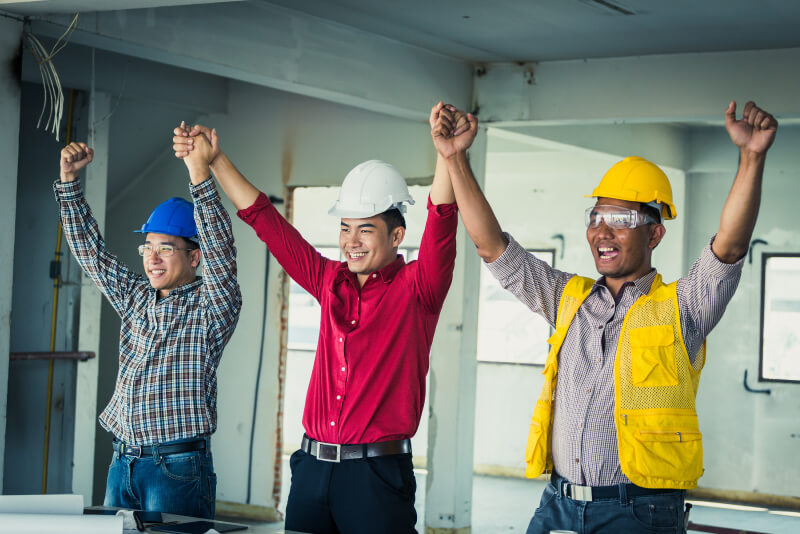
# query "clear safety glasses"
(616, 217)
(162, 250)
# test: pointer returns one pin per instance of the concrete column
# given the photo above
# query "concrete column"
(91, 300)
(10, 49)
(453, 376)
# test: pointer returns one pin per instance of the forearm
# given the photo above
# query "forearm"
(741, 209)
(442, 189)
(219, 255)
(478, 217)
(241, 192)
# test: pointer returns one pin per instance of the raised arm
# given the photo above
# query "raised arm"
(113, 277)
(224, 298)
(478, 217)
(299, 259)
(753, 134)
(241, 192)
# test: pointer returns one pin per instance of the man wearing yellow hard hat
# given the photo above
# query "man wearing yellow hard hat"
(616, 425)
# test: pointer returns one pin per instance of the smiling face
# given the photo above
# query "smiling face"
(168, 272)
(622, 255)
(368, 245)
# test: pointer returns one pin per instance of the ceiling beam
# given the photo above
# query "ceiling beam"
(692, 88)
(665, 144)
(133, 79)
(279, 48)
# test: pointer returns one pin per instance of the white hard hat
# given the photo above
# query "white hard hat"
(371, 188)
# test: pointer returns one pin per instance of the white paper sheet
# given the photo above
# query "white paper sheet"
(41, 504)
(60, 524)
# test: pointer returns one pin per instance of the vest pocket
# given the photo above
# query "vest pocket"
(653, 356)
(667, 454)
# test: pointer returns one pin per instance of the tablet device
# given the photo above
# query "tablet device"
(198, 527)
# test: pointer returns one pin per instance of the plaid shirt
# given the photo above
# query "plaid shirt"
(169, 348)
(584, 440)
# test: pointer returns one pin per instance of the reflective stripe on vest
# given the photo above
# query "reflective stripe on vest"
(658, 437)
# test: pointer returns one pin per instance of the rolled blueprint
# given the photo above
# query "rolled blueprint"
(41, 504)
(60, 524)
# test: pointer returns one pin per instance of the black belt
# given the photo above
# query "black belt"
(137, 451)
(595, 493)
(333, 452)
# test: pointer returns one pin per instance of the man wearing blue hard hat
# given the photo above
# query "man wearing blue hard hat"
(175, 326)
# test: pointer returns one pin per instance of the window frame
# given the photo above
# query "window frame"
(552, 252)
(765, 257)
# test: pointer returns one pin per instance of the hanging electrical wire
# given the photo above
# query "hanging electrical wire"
(53, 94)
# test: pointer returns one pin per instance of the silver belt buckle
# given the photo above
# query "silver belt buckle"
(329, 452)
(132, 450)
(580, 493)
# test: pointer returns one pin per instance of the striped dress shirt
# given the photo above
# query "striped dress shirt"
(169, 348)
(584, 441)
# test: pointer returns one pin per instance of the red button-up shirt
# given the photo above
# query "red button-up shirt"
(368, 380)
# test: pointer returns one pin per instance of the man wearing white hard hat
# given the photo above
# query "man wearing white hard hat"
(616, 425)
(174, 327)
(353, 472)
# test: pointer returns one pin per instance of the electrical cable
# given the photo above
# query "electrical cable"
(258, 378)
(53, 92)
(55, 274)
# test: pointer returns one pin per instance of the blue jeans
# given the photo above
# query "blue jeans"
(660, 513)
(182, 483)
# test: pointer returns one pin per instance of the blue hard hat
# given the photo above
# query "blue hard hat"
(172, 217)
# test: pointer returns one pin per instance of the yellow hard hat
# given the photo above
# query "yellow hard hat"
(637, 180)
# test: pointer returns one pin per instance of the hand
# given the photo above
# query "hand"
(756, 130)
(184, 140)
(451, 129)
(74, 157)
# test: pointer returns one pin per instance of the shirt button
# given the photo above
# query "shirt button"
(598, 360)
(600, 326)
(577, 460)
(332, 423)
(353, 321)
(374, 276)
(588, 390)
(338, 397)
(340, 340)
(343, 369)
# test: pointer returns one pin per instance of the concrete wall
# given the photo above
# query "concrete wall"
(10, 50)
(751, 440)
(35, 244)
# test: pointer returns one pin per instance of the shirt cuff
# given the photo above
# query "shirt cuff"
(716, 268)
(509, 261)
(204, 192)
(66, 191)
(249, 214)
(442, 210)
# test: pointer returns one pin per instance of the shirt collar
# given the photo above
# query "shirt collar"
(641, 284)
(386, 274)
(180, 290)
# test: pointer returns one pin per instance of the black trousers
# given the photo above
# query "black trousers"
(367, 495)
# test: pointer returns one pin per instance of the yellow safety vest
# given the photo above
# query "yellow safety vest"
(655, 386)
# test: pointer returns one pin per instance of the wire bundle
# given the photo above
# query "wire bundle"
(53, 93)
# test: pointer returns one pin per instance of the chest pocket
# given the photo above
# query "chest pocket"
(653, 356)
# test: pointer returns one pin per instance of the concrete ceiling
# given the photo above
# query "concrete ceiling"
(525, 30)
(38, 7)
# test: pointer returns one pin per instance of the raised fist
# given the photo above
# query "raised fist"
(74, 157)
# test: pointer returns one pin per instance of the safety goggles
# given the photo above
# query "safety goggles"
(162, 250)
(616, 217)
